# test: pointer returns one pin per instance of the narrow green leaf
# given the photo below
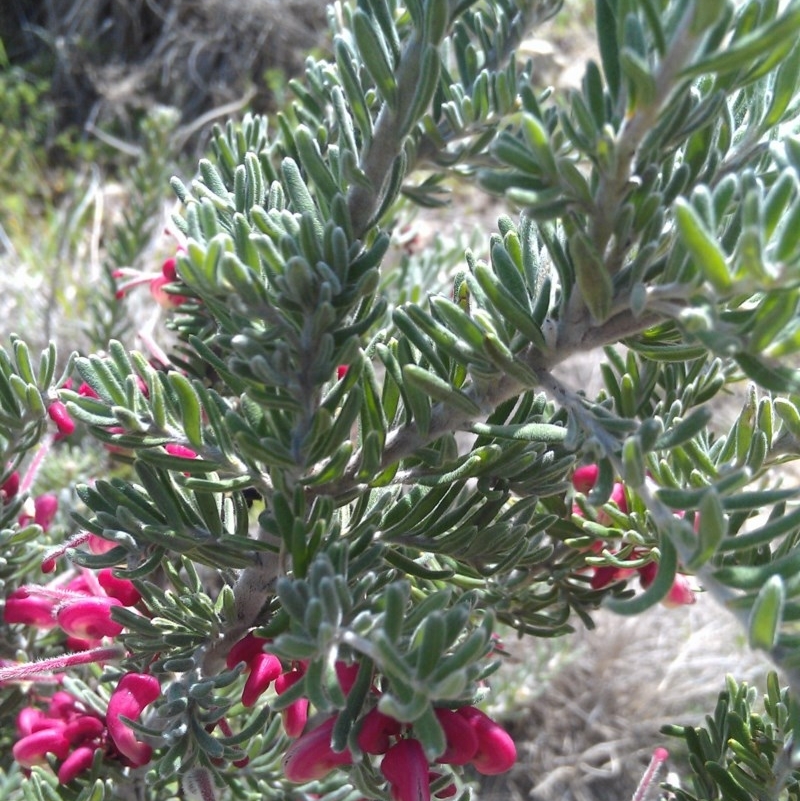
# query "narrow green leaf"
(706, 252)
(767, 614)
(439, 389)
(375, 55)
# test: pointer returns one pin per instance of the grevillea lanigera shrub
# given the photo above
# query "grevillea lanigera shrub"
(310, 510)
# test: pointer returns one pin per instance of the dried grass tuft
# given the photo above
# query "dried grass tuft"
(109, 57)
(590, 730)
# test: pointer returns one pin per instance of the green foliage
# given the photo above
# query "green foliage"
(741, 753)
(388, 512)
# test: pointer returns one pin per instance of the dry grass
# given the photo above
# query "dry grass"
(111, 58)
(588, 731)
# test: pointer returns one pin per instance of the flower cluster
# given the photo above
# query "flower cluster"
(81, 607)
(73, 733)
(681, 593)
(472, 737)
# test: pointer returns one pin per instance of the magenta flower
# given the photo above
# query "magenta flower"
(376, 732)
(264, 669)
(133, 693)
(311, 755)
(585, 477)
(30, 610)
(33, 748)
(58, 413)
(89, 618)
(9, 488)
(405, 767)
(496, 750)
(121, 589)
(462, 741)
(295, 716)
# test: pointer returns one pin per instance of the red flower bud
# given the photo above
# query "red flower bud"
(10, 487)
(179, 450)
(245, 650)
(584, 478)
(58, 413)
(295, 716)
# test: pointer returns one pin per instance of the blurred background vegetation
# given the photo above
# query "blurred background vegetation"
(102, 101)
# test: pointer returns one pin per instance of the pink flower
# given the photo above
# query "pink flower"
(133, 693)
(405, 767)
(462, 741)
(77, 762)
(155, 281)
(311, 755)
(295, 716)
(341, 371)
(584, 478)
(33, 748)
(181, 451)
(9, 488)
(496, 750)
(89, 618)
(680, 593)
(121, 589)
(31, 610)
(264, 669)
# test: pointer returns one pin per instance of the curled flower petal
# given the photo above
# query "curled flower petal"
(311, 755)
(30, 719)
(245, 650)
(32, 749)
(132, 694)
(169, 269)
(166, 300)
(405, 767)
(264, 669)
(79, 761)
(89, 618)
